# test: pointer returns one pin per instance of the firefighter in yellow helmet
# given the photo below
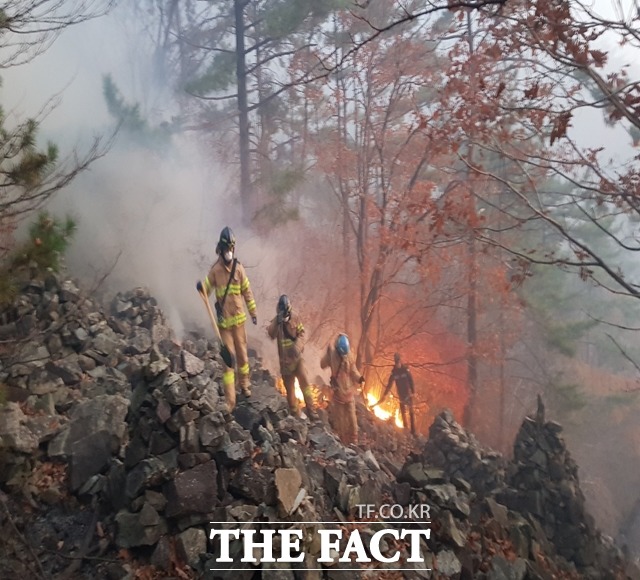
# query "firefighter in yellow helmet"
(287, 329)
(345, 380)
(228, 281)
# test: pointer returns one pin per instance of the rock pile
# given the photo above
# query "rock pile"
(115, 436)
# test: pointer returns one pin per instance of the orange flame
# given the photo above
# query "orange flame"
(283, 391)
(383, 413)
(298, 391)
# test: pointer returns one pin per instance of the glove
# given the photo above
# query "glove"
(199, 287)
(219, 313)
(361, 381)
(254, 319)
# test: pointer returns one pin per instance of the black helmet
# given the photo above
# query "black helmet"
(284, 305)
(227, 239)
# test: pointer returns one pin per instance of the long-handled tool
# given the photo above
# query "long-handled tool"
(226, 355)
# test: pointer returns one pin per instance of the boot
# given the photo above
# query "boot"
(311, 413)
(246, 390)
(230, 397)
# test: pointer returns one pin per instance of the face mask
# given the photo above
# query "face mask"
(228, 256)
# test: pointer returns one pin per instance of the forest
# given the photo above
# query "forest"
(457, 181)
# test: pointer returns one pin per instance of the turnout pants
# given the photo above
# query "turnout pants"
(235, 339)
(406, 406)
(289, 381)
(343, 420)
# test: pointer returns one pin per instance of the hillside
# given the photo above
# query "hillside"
(116, 456)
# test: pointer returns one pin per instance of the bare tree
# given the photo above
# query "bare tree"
(30, 175)
(29, 27)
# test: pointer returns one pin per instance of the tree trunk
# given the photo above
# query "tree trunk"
(472, 296)
(243, 114)
(472, 329)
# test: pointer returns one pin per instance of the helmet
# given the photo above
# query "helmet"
(284, 305)
(227, 239)
(342, 344)
(396, 357)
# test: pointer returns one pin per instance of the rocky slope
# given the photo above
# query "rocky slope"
(115, 456)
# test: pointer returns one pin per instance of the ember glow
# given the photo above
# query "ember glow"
(382, 413)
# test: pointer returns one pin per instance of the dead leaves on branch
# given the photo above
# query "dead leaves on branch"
(560, 126)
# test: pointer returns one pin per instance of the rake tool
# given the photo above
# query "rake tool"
(225, 353)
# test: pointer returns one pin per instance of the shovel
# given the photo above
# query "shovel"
(226, 355)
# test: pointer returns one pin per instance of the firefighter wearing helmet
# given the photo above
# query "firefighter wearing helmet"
(287, 329)
(345, 381)
(401, 376)
(228, 281)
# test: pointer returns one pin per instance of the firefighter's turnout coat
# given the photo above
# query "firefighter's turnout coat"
(289, 335)
(345, 379)
(232, 318)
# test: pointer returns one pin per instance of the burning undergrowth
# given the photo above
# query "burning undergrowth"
(387, 412)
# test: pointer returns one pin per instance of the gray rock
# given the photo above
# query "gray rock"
(234, 453)
(497, 511)
(181, 417)
(212, 430)
(67, 369)
(288, 483)
(502, 569)
(163, 411)
(192, 364)
(402, 493)
(89, 456)
(193, 491)
(13, 433)
(160, 442)
(103, 413)
(131, 532)
(155, 499)
(209, 398)
(149, 516)
(450, 530)
(177, 392)
(448, 564)
(190, 544)
(33, 354)
(162, 556)
(254, 483)
(140, 342)
(414, 474)
(148, 473)
(43, 383)
(107, 342)
(189, 438)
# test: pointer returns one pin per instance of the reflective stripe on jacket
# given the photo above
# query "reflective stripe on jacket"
(233, 313)
(290, 343)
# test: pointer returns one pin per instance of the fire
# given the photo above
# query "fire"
(298, 390)
(383, 414)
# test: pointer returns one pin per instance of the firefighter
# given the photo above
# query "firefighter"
(401, 376)
(228, 281)
(287, 329)
(345, 380)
